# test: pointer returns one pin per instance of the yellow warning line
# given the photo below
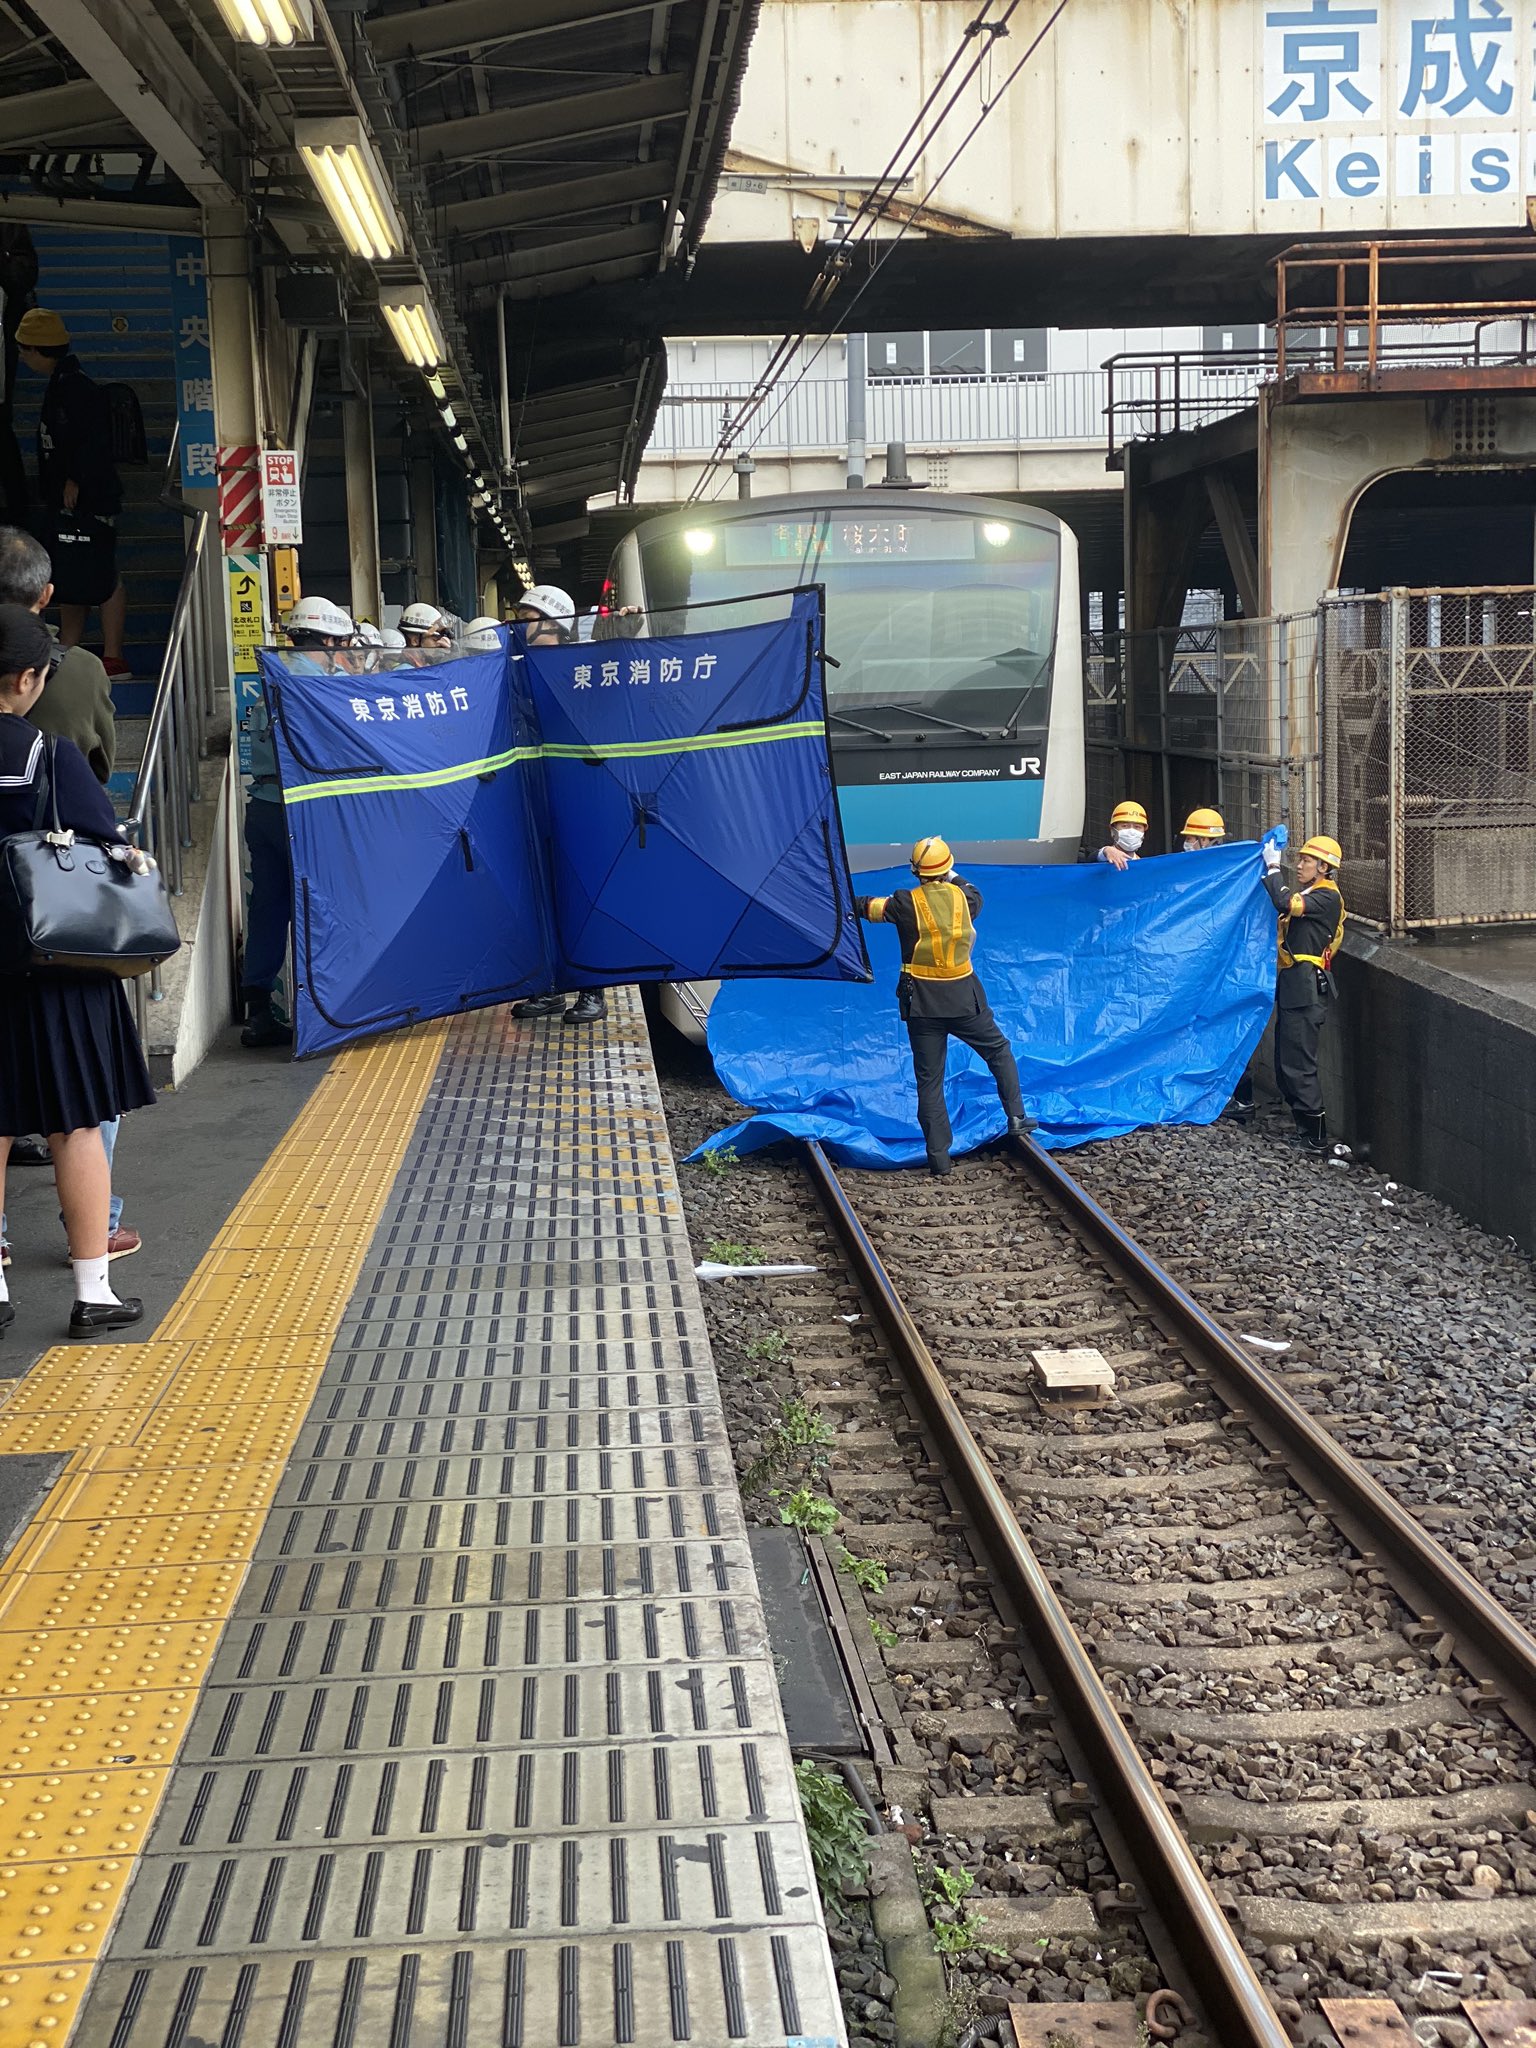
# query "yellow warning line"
(114, 1599)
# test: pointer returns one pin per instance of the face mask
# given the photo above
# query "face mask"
(1194, 846)
(1129, 837)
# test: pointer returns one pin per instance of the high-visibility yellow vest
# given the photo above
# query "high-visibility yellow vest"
(944, 933)
(1323, 959)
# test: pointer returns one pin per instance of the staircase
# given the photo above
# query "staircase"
(114, 293)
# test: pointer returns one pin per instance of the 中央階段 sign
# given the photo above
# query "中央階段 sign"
(282, 516)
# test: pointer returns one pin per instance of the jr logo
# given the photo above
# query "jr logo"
(1027, 764)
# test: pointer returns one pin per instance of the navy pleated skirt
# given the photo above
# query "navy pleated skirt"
(69, 1053)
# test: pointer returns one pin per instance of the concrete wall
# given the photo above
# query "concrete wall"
(1438, 1079)
(205, 997)
(1141, 117)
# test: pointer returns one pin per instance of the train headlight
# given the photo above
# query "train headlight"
(996, 533)
(698, 540)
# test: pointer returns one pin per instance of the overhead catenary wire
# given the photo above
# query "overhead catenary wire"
(972, 50)
(790, 343)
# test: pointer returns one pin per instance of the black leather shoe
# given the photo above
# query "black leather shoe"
(30, 1152)
(89, 1318)
(587, 1008)
(266, 1027)
(539, 1006)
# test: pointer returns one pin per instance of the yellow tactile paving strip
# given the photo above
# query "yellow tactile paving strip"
(113, 1601)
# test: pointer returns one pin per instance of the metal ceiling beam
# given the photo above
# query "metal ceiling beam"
(561, 399)
(452, 25)
(539, 123)
(539, 439)
(578, 274)
(47, 117)
(560, 199)
(570, 252)
(546, 455)
(140, 67)
(39, 210)
(579, 483)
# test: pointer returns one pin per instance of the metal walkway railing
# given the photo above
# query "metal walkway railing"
(169, 780)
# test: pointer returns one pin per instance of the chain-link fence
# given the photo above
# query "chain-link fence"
(1403, 724)
(1430, 753)
(1220, 713)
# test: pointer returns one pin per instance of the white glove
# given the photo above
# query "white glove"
(1269, 853)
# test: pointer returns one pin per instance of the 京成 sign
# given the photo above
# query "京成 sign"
(1420, 109)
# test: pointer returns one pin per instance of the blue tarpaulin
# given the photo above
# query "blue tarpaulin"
(506, 823)
(1130, 997)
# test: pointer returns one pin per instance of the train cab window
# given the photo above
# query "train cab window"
(960, 352)
(949, 613)
(1019, 351)
(896, 355)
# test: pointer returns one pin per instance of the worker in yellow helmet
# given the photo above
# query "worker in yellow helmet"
(1203, 828)
(1127, 831)
(939, 994)
(1311, 926)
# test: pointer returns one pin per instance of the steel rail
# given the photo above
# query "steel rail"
(1170, 1877)
(1489, 1642)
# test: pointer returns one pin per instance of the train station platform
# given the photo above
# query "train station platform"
(1432, 1067)
(382, 1662)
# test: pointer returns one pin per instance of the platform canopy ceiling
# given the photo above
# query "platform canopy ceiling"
(543, 153)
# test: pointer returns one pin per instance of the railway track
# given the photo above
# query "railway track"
(1304, 1733)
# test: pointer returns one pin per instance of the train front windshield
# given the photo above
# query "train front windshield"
(928, 611)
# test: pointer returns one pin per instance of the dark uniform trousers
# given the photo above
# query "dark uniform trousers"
(930, 1037)
(1300, 1008)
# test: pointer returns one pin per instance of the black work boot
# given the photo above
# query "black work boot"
(1311, 1132)
(587, 1008)
(1020, 1126)
(539, 1006)
(941, 1166)
(264, 1026)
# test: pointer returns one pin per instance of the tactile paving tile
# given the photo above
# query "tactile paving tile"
(491, 1750)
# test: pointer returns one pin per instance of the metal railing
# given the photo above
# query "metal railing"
(169, 780)
(1055, 407)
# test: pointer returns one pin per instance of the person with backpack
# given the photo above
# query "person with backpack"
(79, 491)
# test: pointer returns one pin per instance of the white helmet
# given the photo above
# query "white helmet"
(368, 634)
(319, 615)
(420, 618)
(392, 640)
(550, 602)
(482, 636)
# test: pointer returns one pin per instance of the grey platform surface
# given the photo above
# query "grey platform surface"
(491, 1755)
(1500, 959)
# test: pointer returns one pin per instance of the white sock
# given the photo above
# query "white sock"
(91, 1282)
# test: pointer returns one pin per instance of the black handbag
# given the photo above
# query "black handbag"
(64, 902)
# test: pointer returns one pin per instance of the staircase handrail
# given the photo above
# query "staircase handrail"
(169, 780)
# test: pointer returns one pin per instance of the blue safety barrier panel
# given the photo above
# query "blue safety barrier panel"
(504, 823)
(692, 824)
(1131, 998)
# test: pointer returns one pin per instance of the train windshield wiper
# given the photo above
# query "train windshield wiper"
(842, 718)
(977, 732)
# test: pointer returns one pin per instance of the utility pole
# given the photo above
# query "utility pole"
(858, 426)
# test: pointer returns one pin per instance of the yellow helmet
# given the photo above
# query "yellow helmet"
(1321, 847)
(931, 858)
(1205, 824)
(1129, 813)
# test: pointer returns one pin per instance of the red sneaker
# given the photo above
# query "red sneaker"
(117, 671)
